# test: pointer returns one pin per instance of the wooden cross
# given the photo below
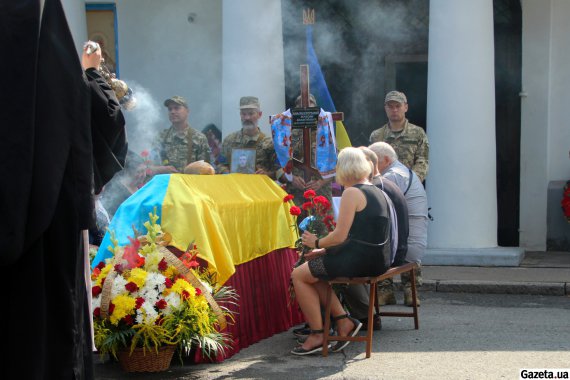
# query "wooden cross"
(305, 164)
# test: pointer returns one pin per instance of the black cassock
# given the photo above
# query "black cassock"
(62, 135)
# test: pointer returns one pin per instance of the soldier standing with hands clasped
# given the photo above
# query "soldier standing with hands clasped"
(408, 140)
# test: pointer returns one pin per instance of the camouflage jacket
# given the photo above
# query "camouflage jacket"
(411, 144)
(174, 149)
(297, 145)
(264, 153)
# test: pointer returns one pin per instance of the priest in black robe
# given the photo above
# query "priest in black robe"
(62, 137)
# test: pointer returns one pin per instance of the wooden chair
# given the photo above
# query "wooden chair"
(372, 304)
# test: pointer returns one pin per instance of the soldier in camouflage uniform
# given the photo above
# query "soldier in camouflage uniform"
(180, 144)
(408, 140)
(250, 137)
(298, 185)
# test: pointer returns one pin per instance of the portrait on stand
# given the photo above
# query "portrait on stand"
(243, 161)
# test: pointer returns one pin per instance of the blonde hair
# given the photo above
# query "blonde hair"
(351, 166)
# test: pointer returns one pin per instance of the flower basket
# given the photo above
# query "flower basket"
(148, 302)
(141, 360)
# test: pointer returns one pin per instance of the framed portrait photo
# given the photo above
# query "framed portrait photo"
(243, 161)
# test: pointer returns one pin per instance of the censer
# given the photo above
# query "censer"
(122, 90)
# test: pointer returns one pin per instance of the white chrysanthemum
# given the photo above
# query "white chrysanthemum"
(96, 302)
(174, 301)
(150, 294)
(149, 314)
(118, 286)
(156, 280)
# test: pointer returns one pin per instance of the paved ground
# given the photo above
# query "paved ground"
(475, 323)
(461, 336)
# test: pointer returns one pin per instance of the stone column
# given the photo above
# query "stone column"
(252, 53)
(461, 183)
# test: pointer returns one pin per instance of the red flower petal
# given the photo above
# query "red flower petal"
(294, 210)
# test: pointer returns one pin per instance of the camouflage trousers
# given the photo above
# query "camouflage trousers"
(387, 285)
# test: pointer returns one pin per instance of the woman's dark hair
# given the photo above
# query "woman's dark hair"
(212, 128)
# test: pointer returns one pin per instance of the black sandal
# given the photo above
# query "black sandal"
(357, 326)
(299, 350)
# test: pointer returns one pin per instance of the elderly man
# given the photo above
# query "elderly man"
(250, 137)
(408, 140)
(180, 144)
(416, 197)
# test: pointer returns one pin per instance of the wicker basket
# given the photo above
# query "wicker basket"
(146, 361)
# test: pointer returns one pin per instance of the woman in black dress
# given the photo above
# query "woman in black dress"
(363, 219)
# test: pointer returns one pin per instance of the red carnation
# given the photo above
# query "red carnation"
(132, 287)
(118, 268)
(144, 153)
(97, 312)
(309, 194)
(288, 198)
(307, 205)
(101, 265)
(168, 283)
(161, 304)
(185, 294)
(198, 291)
(128, 319)
(111, 308)
(96, 290)
(320, 200)
(139, 302)
(162, 265)
(294, 210)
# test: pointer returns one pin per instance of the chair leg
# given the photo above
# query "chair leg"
(414, 299)
(327, 325)
(372, 304)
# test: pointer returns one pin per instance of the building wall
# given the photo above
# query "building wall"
(253, 59)
(75, 13)
(171, 48)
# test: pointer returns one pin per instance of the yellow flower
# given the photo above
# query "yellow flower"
(138, 276)
(104, 272)
(182, 285)
(171, 272)
(124, 305)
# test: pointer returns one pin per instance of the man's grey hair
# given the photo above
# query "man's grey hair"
(382, 150)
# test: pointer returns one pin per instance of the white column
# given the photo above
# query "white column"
(252, 56)
(461, 183)
(536, 118)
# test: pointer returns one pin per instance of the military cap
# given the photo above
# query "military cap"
(395, 96)
(177, 100)
(248, 102)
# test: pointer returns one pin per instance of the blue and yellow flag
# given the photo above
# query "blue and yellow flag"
(231, 218)
(319, 88)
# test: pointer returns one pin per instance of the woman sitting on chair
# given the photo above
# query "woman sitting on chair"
(363, 228)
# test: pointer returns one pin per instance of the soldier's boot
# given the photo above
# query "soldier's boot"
(386, 293)
(407, 284)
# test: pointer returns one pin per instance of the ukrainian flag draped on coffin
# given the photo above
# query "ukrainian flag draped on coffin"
(319, 88)
(231, 218)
